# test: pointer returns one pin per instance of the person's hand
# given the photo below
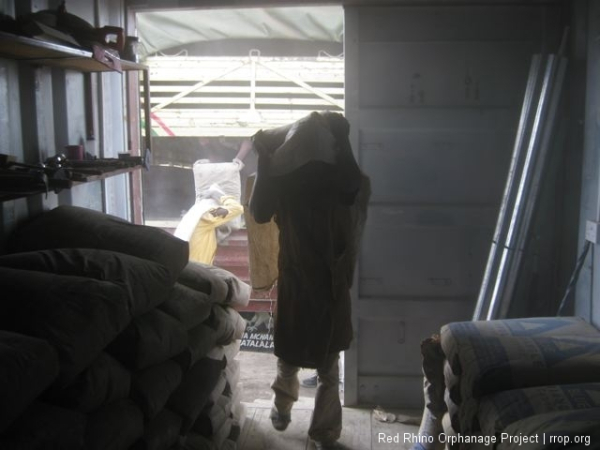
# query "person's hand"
(219, 212)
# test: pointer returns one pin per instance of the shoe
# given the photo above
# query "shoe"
(310, 382)
(280, 421)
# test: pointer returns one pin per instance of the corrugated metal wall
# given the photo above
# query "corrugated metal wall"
(433, 95)
(587, 301)
(43, 109)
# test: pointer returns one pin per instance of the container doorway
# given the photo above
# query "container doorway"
(216, 78)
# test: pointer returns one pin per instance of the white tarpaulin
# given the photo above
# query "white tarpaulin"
(161, 30)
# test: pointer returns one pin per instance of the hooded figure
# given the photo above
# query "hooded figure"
(308, 179)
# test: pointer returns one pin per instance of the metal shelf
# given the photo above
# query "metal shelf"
(36, 51)
(45, 53)
(67, 184)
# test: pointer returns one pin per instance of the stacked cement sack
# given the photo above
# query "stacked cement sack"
(491, 383)
(489, 357)
(219, 424)
(111, 339)
(212, 370)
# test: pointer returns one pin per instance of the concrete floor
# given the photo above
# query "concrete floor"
(361, 430)
(258, 372)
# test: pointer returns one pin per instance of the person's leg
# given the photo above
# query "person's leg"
(286, 387)
(326, 423)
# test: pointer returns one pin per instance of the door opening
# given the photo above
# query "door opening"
(216, 78)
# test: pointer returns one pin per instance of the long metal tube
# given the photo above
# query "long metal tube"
(532, 194)
(485, 292)
(522, 185)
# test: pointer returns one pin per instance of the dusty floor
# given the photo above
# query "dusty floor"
(361, 430)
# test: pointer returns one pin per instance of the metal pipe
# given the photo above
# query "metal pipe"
(522, 187)
(515, 215)
(484, 297)
(532, 195)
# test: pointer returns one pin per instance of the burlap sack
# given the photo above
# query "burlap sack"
(263, 247)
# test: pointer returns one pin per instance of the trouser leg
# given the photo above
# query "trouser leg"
(286, 386)
(326, 423)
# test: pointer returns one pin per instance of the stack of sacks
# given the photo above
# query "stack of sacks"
(101, 333)
(498, 411)
(220, 422)
(574, 429)
(213, 371)
(492, 363)
(28, 366)
(433, 393)
(76, 279)
(75, 227)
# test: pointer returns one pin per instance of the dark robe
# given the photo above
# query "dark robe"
(320, 209)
